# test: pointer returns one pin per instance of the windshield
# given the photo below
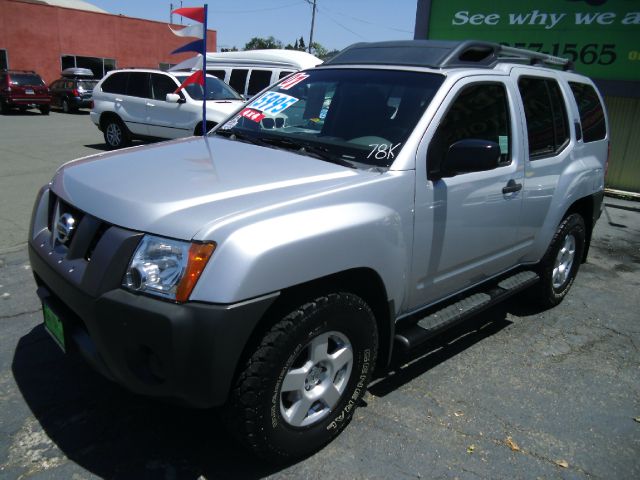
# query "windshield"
(360, 117)
(216, 89)
(22, 79)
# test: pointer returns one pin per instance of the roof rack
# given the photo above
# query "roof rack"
(442, 54)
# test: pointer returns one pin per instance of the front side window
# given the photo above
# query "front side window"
(591, 112)
(356, 117)
(161, 85)
(479, 112)
(216, 89)
(546, 116)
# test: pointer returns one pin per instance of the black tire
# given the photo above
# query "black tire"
(45, 109)
(116, 134)
(556, 272)
(262, 415)
(4, 108)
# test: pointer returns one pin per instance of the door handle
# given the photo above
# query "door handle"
(151, 104)
(118, 99)
(512, 187)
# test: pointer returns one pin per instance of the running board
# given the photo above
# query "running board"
(415, 333)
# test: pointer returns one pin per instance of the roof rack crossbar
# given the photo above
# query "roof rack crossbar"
(534, 57)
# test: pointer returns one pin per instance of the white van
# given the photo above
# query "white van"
(248, 72)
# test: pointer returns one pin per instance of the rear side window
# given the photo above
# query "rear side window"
(238, 79)
(138, 85)
(258, 80)
(546, 116)
(116, 83)
(591, 112)
(217, 73)
(480, 111)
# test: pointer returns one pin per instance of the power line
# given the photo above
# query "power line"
(367, 22)
(257, 9)
(339, 24)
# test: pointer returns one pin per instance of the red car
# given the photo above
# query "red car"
(23, 89)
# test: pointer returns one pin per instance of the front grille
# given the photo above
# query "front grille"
(80, 241)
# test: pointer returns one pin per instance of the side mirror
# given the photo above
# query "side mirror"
(470, 155)
(174, 98)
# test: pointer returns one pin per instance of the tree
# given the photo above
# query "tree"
(318, 50)
(301, 45)
(258, 43)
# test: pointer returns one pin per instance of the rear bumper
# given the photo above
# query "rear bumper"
(25, 101)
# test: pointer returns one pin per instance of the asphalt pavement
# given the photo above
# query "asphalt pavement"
(513, 393)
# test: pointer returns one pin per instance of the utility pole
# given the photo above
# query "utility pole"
(171, 14)
(313, 21)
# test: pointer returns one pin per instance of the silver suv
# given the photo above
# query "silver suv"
(140, 103)
(352, 210)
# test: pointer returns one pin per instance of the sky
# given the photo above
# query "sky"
(338, 23)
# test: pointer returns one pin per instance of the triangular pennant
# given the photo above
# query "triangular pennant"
(196, 31)
(195, 46)
(195, 77)
(196, 13)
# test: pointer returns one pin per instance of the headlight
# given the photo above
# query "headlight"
(167, 268)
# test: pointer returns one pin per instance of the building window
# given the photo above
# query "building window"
(165, 66)
(99, 66)
(4, 61)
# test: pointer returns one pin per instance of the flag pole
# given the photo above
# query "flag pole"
(204, 73)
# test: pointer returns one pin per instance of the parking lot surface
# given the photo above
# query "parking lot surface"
(513, 393)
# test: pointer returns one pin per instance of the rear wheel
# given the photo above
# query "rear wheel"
(45, 109)
(559, 266)
(115, 133)
(4, 108)
(303, 383)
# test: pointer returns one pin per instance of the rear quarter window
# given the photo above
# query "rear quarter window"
(116, 83)
(591, 112)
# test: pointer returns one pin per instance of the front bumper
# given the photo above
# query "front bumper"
(183, 352)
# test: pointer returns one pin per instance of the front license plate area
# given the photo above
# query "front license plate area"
(54, 326)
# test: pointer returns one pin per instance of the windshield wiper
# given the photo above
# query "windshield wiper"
(231, 135)
(306, 149)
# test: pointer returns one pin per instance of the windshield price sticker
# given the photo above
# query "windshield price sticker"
(293, 80)
(272, 103)
(382, 151)
(251, 114)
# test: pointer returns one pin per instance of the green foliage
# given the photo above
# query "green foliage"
(258, 43)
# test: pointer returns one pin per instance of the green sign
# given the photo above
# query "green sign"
(602, 37)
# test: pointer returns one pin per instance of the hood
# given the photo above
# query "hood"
(177, 188)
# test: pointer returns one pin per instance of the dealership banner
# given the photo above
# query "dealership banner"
(602, 37)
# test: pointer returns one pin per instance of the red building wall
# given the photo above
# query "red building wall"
(36, 36)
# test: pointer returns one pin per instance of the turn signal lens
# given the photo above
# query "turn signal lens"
(199, 254)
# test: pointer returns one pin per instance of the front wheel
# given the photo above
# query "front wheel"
(559, 266)
(116, 134)
(303, 383)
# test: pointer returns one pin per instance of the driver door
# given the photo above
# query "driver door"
(466, 225)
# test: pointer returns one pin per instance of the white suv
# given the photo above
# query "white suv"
(141, 103)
